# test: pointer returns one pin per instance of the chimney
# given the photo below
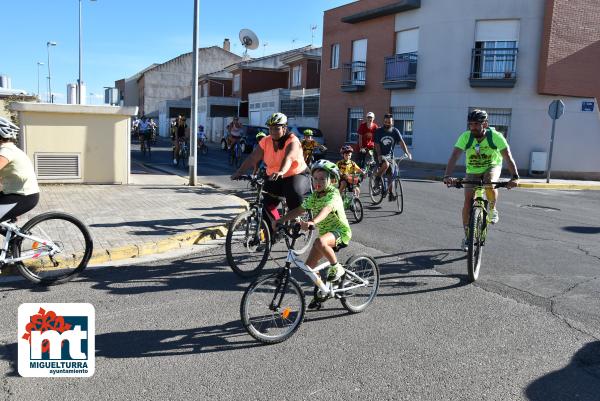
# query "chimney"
(227, 45)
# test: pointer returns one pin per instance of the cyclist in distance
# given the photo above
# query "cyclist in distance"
(348, 170)
(20, 191)
(327, 207)
(366, 132)
(386, 138)
(485, 148)
(309, 145)
(282, 154)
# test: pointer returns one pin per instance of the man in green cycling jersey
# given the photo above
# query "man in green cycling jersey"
(485, 149)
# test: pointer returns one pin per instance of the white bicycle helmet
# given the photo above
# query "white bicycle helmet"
(7, 129)
(326, 165)
(277, 119)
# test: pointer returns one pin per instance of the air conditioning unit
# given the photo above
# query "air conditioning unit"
(537, 163)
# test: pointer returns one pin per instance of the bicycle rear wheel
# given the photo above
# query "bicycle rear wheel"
(357, 209)
(359, 268)
(376, 191)
(204, 149)
(475, 242)
(399, 195)
(248, 244)
(273, 308)
(66, 232)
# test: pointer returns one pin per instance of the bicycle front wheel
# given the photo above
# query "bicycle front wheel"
(357, 209)
(475, 242)
(399, 195)
(70, 236)
(273, 308)
(248, 244)
(376, 191)
(362, 280)
(204, 149)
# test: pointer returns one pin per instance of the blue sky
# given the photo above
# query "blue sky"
(121, 37)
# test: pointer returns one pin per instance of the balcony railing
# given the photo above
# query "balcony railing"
(494, 68)
(354, 76)
(400, 71)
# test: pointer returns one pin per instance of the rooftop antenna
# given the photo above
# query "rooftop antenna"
(313, 28)
(249, 41)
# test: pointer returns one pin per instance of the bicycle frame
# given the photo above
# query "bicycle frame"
(326, 289)
(47, 247)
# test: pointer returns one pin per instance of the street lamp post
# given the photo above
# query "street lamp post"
(50, 98)
(79, 81)
(39, 64)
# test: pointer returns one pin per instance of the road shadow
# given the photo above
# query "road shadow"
(158, 343)
(582, 229)
(396, 268)
(168, 227)
(580, 380)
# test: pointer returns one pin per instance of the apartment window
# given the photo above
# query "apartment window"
(499, 119)
(335, 56)
(297, 76)
(236, 83)
(355, 114)
(495, 54)
(404, 118)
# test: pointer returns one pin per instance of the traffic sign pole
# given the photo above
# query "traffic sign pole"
(555, 110)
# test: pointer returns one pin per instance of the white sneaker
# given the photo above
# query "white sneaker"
(463, 245)
(494, 216)
(335, 272)
(174, 162)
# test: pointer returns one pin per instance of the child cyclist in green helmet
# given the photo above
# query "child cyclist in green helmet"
(329, 216)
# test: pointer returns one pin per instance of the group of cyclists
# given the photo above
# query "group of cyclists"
(292, 176)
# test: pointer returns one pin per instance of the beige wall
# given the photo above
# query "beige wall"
(99, 134)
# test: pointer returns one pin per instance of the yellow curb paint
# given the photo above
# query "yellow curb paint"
(560, 186)
(124, 252)
(99, 257)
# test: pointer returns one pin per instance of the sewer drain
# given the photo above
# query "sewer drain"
(553, 209)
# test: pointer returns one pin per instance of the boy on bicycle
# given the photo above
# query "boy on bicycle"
(309, 145)
(348, 170)
(327, 207)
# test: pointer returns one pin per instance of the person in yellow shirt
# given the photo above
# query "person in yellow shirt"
(309, 145)
(349, 170)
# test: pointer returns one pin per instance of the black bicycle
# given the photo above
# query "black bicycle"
(183, 154)
(478, 223)
(250, 236)
(378, 188)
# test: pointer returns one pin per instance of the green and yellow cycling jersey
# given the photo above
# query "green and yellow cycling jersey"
(336, 220)
(481, 156)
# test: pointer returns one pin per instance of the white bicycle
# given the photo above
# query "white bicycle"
(273, 306)
(51, 248)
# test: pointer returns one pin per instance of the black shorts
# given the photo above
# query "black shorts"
(21, 204)
(293, 189)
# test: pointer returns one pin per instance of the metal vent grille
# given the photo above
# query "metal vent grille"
(54, 166)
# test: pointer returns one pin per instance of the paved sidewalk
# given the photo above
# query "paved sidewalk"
(156, 214)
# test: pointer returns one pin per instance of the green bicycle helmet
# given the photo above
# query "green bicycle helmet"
(327, 166)
(260, 135)
(308, 132)
(277, 119)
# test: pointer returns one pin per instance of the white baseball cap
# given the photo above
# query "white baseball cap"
(370, 114)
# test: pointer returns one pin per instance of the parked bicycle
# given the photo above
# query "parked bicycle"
(352, 202)
(378, 186)
(273, 307)
(478, 223)
(250, 236)
(51, 248)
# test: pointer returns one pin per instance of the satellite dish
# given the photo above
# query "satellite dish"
(249, 39)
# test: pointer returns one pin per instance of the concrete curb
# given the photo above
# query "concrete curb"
(183, 240)
(532, 185)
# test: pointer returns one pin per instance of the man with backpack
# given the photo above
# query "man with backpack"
(485, 148)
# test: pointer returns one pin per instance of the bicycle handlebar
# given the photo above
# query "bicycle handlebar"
(460, 182)
(295, 232)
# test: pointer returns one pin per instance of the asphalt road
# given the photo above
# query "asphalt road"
(527, 330)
